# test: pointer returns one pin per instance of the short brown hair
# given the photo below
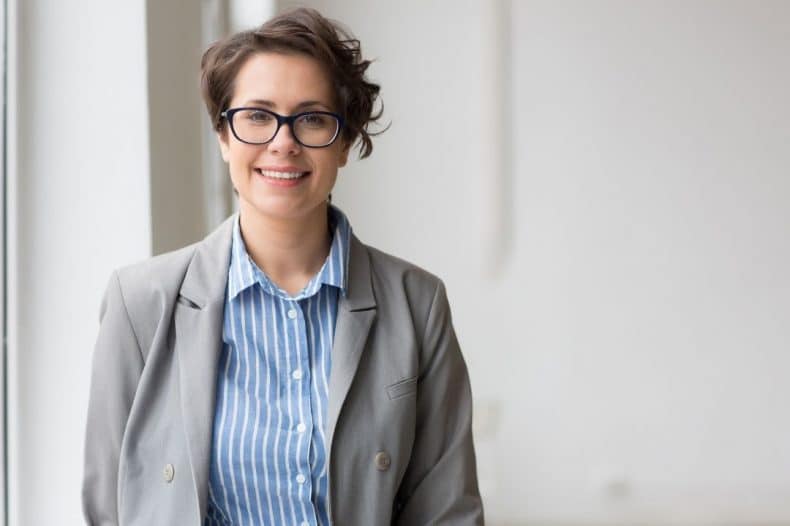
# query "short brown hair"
(307, 32)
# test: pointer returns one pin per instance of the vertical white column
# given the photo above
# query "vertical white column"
(78, 205)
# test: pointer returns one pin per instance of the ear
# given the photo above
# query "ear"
(343, 158)
(224, 146)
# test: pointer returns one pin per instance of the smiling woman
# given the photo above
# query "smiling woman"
(281, 371)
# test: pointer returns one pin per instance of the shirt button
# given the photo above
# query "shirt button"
(305, 523)
(297, 374)
(300, 478)
(292, 314)
(169, 472)
(301, 427)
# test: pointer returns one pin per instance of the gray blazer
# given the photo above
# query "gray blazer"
(399, 412)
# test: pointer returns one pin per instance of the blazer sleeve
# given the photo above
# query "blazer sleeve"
(117, 366)
(440, 484)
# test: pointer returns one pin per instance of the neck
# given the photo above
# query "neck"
(289, 251)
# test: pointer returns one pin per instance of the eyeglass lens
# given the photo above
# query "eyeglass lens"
(260, 126)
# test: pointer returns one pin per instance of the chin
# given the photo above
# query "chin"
(281, 209)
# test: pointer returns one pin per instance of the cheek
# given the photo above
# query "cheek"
(240, 158)
(334, 159)
(224, 146)
(329, 168)
(238, 171)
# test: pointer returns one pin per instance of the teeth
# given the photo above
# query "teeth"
(281, 175)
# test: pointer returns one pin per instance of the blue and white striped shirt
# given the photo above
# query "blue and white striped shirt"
(269, 458)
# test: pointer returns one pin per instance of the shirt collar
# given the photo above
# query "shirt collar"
(244, 273)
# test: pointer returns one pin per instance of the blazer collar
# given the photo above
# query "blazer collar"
(207, 274)
(359, 289)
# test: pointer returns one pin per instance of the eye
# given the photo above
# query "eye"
(316, 120)
(257, 116)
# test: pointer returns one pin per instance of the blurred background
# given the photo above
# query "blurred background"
(604, 186)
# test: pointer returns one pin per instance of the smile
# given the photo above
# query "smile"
(281, 175)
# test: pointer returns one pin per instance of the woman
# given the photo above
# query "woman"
(280, 371)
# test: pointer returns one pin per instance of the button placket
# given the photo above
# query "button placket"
(301, 387)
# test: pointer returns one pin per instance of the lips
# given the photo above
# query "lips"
(277, 174)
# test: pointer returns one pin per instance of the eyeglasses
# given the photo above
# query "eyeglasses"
(314, 129)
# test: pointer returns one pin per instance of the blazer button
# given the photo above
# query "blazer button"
(169, 473)
(383, 461)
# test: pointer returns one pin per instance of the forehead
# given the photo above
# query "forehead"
(284, 79)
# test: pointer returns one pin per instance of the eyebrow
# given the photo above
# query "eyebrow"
(269, 104)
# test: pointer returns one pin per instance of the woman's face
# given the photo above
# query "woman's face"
(285, 84)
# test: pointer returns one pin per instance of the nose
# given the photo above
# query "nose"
(284, 142)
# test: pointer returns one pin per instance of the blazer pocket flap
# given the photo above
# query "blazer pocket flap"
(182, 300)
(402, 388)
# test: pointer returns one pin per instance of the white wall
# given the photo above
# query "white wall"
(79, 205)
(653, 189)
(629, 360)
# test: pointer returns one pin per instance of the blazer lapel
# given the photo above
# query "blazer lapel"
(198, 340)
(355, 314)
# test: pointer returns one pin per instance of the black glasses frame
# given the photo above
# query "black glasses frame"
(283, 119)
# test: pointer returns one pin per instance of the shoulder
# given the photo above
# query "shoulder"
(144, 293)
(156, 277)
(406, 291)
(158, 280)
(397, 272)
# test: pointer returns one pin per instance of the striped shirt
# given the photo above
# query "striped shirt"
(268, 457)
